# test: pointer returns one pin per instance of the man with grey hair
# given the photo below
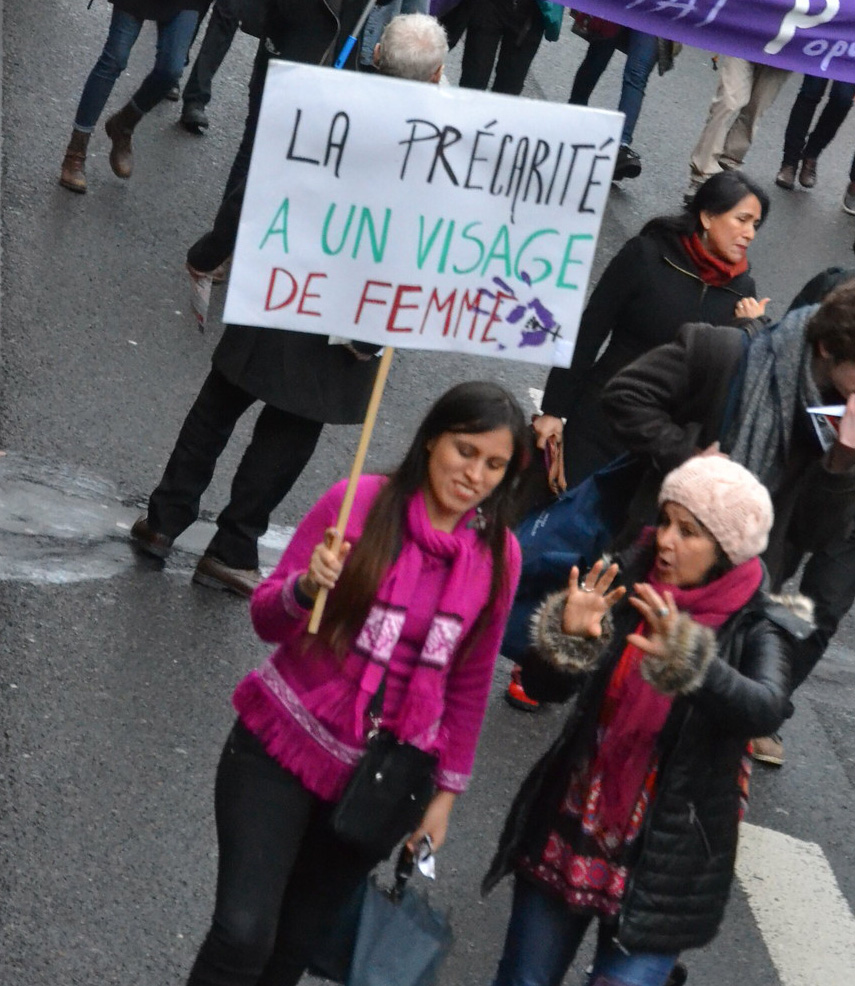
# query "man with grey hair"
(412, 46)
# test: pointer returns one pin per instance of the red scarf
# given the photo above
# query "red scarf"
(711, 270)
(633, 712)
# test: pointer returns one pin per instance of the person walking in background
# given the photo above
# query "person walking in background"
(677, 269)
(226, 17)
(685, 268)
(504, 34)
(801, 148)
(745, 91)
(642, 54)
(303, 381)
(419, 594)
(632, 817)
(176, 21)
(746, 391)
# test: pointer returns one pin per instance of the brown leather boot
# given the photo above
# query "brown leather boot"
(73, 174)
(119, 128)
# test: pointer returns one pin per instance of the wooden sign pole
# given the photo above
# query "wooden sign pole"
(355, 472)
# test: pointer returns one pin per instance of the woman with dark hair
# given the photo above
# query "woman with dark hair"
(691, 267)
(632, 817)
(686, 268)
(420, 590)
(176, 21)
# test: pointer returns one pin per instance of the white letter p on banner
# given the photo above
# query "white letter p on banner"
(799, 19)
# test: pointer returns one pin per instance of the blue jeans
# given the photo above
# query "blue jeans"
(543, 937)
(173, 40)
(641, 57)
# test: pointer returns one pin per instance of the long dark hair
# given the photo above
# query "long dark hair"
(718, 194)
(469, 408)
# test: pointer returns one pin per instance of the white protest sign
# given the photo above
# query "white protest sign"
(420, 216)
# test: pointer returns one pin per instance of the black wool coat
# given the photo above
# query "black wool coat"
(296, 372)
(649, 289)
(681, 876)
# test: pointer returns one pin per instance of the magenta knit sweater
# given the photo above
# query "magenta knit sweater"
(301, 705)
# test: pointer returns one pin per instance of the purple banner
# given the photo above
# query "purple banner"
(816, 37)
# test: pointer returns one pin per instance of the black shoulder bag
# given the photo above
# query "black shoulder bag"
(387, 796)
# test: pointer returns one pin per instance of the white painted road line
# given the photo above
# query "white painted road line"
(805, 921)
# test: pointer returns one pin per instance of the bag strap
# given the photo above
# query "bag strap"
(734, 393)
(375, 707)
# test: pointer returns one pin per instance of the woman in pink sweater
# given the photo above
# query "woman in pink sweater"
(422, 585)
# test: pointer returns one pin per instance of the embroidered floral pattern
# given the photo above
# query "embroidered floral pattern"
(286, 695)
(380, 632)
(581, 860)
(442, 639)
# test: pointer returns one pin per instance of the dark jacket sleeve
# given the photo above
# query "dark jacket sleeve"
(659, 404)
(646, 401)
(614, 289)
(753, 700)
(825, 510)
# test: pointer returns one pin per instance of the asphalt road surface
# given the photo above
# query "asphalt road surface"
(115, 675)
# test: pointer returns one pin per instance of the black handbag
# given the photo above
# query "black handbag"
(387, 796)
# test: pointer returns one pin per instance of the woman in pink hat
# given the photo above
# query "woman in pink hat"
(632, 816)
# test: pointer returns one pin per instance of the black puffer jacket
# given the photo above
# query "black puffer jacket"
(681, 876)
(649, 289)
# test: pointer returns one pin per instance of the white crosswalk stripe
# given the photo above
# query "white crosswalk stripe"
(804, 918)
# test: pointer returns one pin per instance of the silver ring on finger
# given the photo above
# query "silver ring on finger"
(664, 612)
(585, 588)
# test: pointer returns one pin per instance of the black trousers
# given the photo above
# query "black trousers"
(490, 29)
(222, 27)
(279, 450)
(283, 876)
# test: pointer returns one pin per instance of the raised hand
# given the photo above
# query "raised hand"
(660, 614)
(588, 603)
(846, 433)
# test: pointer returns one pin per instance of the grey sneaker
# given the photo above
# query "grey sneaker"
(807, 175)
(786, 177)
(849, 199)
(216, 574)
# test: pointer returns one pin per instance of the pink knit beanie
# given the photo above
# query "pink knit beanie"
(733, 505)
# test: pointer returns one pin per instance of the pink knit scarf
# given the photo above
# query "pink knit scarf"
(636, 712)
(463, 597)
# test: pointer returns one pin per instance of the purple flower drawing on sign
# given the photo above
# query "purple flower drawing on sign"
(536, 322)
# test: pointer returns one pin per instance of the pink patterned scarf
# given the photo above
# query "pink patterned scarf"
(463, 597)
